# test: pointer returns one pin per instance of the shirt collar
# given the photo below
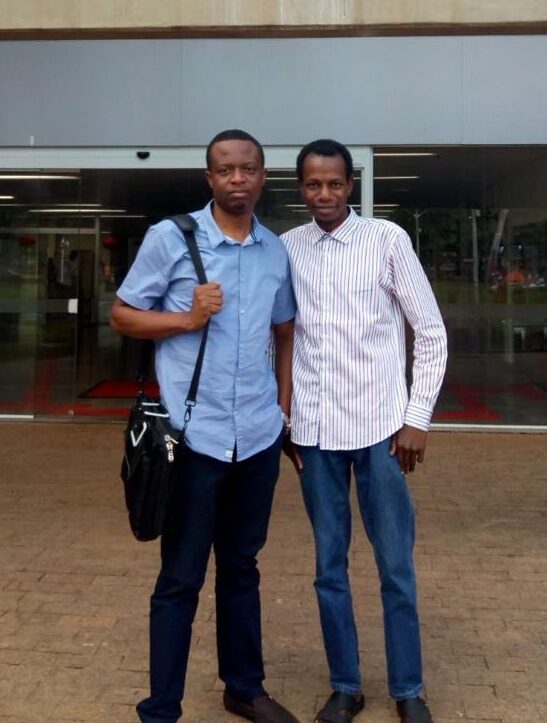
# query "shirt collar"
(216, 235)
(342, 233)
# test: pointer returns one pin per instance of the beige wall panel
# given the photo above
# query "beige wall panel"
(232, 15)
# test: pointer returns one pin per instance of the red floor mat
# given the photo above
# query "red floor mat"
(119, 389)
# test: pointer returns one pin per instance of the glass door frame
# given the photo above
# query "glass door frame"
(277, 158)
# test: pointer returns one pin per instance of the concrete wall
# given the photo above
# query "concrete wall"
(425, 90)
(71, 18)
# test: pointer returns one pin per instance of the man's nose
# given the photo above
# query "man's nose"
(324, 191)
(238, 175)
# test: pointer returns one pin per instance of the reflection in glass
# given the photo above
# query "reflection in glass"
(38, 276)
(477, 218)
(478, 221)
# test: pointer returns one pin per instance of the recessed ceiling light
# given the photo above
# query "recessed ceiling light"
(122, 218)
(403, 154)
(78, 210)
(7, 198)
(36, 177)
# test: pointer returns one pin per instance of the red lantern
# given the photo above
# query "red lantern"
(109, 241)
(26, 240)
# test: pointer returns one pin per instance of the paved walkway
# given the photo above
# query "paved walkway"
(74, 586)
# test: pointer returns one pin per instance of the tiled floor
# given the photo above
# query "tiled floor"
(74, 586)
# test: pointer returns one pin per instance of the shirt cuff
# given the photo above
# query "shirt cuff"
(418, 416)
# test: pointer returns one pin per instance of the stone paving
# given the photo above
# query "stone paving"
(74, 586)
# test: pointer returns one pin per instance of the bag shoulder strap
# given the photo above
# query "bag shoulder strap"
(187, 226)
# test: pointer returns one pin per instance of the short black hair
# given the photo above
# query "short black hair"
(234, 134)
(324, 147)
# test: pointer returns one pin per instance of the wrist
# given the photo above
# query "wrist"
(188, 321)
(286, 424)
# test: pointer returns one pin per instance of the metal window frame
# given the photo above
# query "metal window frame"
(277, 157)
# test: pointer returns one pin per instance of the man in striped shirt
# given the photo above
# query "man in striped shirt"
(356, 280)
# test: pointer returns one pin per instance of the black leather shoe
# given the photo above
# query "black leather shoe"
(263, 709)
(341, 708)
(413, 710)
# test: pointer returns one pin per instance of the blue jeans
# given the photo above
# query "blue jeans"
(225, 505)
(388, 517)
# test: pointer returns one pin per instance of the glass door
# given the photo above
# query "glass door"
(38, 292)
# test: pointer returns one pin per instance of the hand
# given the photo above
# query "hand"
(207, 301)
(409, 446)
(291, 450)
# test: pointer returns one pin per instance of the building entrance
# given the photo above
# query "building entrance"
(476, 216)
(67, 238)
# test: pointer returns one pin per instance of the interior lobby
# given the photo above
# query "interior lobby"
(477, 218)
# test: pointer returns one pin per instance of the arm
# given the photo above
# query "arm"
(283, 341)
(413, 292)
(140, 324)
(283, 338)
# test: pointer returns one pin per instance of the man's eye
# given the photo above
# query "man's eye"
(251, 169)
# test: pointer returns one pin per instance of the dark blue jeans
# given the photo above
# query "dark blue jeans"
(388, 516)
(225, 505)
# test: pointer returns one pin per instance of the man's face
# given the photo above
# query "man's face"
(325, 189)
(236, 176)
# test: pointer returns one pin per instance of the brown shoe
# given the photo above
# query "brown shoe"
(263, 709)
(413, 710)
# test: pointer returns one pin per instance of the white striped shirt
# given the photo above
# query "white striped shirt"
(354, 287)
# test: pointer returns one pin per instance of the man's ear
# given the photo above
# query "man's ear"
(207, 175)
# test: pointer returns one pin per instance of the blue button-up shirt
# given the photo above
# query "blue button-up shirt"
(237, 396)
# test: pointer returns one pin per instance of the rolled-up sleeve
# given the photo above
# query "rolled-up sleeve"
(284, 308)
(148, 278)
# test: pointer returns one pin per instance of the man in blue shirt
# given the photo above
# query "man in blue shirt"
(235, 435)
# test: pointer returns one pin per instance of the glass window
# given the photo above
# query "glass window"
(478, 221)
(38, 279)
(477, 218)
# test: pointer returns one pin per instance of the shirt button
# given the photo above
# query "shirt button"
(242, 311)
